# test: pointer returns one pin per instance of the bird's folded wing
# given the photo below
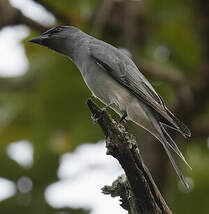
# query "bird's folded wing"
(123, 70)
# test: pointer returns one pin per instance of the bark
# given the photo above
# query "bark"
(137, 189)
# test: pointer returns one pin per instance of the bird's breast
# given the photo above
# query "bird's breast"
(108, 90)
(104, 86)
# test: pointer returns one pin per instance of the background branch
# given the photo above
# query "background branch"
(62, 17)
(13, 16)
(102, 15)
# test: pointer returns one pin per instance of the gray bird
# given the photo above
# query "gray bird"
(114, 79)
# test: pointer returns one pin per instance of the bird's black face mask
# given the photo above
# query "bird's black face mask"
(53, 38)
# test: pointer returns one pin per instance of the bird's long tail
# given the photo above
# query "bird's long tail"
(170, 147)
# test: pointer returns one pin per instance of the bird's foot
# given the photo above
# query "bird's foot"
(95, 118)
(122, 121)
(107, 106)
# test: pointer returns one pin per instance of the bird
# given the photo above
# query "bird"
(115, 80)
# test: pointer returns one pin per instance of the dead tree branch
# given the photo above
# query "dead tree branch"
(137, 190)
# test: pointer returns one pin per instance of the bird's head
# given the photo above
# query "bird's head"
(60, 38)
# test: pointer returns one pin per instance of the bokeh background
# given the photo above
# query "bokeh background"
(52, 156)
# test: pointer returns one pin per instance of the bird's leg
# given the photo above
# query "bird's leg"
(123, 117)
(107, 106)
(124, 124)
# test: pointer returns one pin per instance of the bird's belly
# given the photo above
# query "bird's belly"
(105, 87)
(136, 111)
(107, 90)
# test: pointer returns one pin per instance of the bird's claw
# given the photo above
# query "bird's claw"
(104, 108)
(95, 118)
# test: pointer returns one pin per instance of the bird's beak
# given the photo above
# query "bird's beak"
(39, 39)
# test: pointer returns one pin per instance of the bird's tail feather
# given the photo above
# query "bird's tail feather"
(173, 145)
(181, 126)
(169, 146)
(174, 163)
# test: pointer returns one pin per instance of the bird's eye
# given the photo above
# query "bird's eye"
(58, 29)
(55, 30)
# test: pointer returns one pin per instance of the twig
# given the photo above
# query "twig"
(143, 195)
(132, 9)
(102, 16)
(13, 16)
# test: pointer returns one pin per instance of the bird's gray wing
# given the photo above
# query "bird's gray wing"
(123, 70)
